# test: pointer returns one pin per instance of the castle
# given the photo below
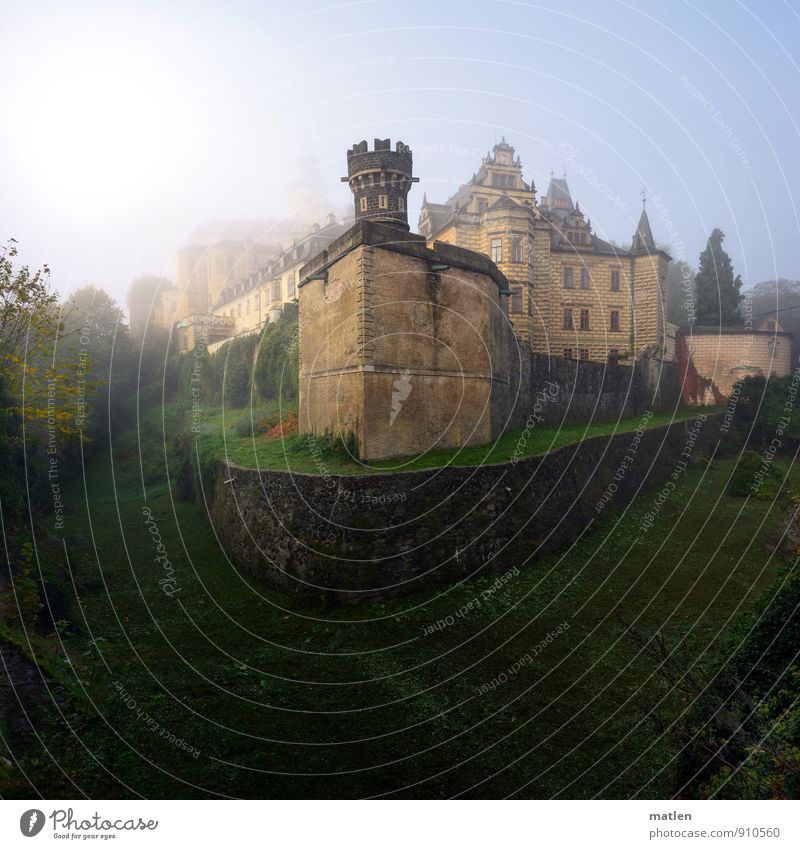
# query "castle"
(410, 342)
(231, 281)
(573, 294)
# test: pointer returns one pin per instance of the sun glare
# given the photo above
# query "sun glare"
(101, 130)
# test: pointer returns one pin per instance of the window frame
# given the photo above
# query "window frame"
(516, 299)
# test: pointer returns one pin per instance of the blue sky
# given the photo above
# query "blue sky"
(124, 125)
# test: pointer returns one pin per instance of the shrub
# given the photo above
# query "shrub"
(744, 482)
(277, 365)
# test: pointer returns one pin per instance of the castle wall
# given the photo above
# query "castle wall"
(348, 539)
(718, 359)
(584, 391)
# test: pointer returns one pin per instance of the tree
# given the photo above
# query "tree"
(142, 299)
(718, 292)
(96, 338)
(277, 367)
(28, 320)
(680, 292)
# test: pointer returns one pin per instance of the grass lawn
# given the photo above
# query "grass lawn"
(407, 698)
(233, 438)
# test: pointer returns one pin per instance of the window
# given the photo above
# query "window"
(257, 300)
(516, 299)
(568, 278)
(276, 290)
(615, 280)
(583, 353)
(614, 320)
(383, 202)
(247, 306)
(401, 204)
(584, 278)
(567, 353)
(516, 250)
(496, 250)
(290, 288)
(584, 319)
(239, 310)
(569, 324)
(362, 205)
(530, 302)
(383, 179)
(483, 204)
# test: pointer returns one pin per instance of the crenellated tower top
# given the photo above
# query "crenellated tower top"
(380, 180)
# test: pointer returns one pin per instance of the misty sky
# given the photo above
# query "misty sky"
(125, 125)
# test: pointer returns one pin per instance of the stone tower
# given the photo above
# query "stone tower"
(380, 180)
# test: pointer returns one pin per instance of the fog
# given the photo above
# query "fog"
(127, 126)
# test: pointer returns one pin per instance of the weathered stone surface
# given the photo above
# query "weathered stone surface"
(348, 539)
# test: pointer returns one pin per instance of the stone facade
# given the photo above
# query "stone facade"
(572, 294)
(202, 329)
(258, 298)
(404, 347)
(714, 359)
(204, 269)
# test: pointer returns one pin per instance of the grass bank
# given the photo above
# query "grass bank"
(235, 435)
(537, 687)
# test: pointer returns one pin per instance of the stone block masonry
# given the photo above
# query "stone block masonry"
(351, 539)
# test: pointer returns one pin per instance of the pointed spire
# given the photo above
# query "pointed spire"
(643, 237)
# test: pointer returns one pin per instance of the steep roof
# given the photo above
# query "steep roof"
(438, 214)
(643, 237)
(302, 250)
(558, 195)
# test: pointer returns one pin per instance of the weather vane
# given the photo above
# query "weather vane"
(643, 193)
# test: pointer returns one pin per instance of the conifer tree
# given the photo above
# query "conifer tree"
(717, 291)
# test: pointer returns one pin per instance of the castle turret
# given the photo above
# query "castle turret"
(380, 180)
